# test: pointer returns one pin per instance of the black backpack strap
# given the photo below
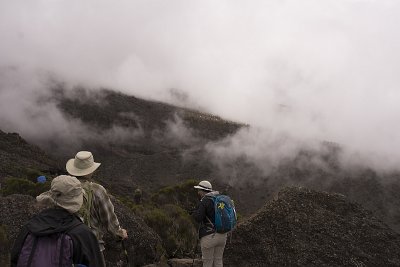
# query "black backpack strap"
(64, 234)
(35, 241)
(61, 250)
(208, 219)
(213, 226)
(76, 224)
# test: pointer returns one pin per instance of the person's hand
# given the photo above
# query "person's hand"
(190, 211)
(124, 234)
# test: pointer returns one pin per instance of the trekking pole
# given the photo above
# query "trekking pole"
(194, 254)
(125, 252)
(196, 247)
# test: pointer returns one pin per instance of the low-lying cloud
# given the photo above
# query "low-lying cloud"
(311, 70)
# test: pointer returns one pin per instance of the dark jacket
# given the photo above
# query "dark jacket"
(86, 248)
(205, 214)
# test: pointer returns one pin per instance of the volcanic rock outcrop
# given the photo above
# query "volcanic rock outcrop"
(302, 227)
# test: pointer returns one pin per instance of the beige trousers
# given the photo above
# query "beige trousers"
(212, 249)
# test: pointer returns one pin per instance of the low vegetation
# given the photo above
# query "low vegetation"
(166, 211)
(167, 214)
(23, 186)
(4, 243)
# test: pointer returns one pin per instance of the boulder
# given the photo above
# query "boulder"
(302, 227)
(143, 245)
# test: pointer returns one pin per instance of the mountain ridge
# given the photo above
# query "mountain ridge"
(162, 145)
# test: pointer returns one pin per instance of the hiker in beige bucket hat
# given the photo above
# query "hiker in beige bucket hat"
(65, 192)
(97, 211)
(56, 236)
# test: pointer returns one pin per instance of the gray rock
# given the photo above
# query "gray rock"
(302, 227)
(185, 262)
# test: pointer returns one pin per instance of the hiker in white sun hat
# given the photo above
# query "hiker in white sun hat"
(97, 210)
(83, 164)
(212, 243)
(204, 185)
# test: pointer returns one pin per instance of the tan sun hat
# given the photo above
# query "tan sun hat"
(204, 185)
(83, 164)
(65, 192)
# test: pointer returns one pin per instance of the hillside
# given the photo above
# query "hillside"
(148, 145)
(168, 147)
(19, 158)
(302, 227)
(155, 159)
(159, 145)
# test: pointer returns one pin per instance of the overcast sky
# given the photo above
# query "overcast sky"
(311, 69)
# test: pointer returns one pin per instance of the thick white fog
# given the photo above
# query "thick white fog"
(308, 70)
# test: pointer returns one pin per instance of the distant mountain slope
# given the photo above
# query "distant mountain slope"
(302, 227)
(105, 109)
(158, 144)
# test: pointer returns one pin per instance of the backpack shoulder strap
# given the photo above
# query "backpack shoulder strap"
(35, 241)
(63, 236)
(87, 203)
(212, 198)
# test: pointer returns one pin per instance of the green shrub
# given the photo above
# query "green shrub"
(16, 170)
(175, 228)
(32, 174)
(179, 234)
(4, 246)
(158, 220)
(182, 195)
(23, 186)
(182, 229)
(3, 236)
(166, 213)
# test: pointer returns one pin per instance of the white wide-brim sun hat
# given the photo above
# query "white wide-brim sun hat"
(204, 185)
(83, 164)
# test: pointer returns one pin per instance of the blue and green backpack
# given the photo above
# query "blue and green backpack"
(225, 214)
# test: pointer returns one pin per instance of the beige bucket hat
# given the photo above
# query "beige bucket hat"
(83, 164)
(65, 192)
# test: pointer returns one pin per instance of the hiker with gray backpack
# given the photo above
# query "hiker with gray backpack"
(97, 212)
(217, 217)
(56, 236)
